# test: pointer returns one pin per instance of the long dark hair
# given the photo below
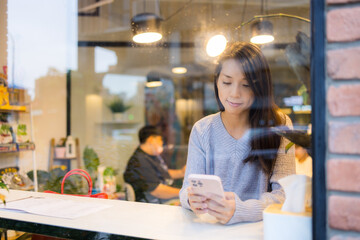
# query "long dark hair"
(263, 113)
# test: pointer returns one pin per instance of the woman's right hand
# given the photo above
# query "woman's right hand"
(197, 202)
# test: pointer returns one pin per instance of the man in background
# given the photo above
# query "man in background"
(303, 161)
(148, 173)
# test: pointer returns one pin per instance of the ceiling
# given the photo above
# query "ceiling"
(189, 23)
(190, 19)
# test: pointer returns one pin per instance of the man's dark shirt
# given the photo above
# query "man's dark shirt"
(144, 173)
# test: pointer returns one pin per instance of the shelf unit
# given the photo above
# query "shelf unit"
(19, 147)
(67, 161)
(16, 147)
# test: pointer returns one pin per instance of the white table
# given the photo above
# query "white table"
(131, 219)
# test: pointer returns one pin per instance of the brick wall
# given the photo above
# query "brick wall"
(343, 100)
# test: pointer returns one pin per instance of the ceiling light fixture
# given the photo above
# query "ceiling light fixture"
(153, 79)
(216, 45)
(152, 84)
(262, 32)
(146, 28)
(179, 70)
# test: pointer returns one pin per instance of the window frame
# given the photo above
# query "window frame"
(318, 118)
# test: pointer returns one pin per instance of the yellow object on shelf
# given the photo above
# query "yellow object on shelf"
(13, 108)
(4, 96)
(5, 104)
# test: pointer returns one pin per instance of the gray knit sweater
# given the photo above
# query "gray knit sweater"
(212, 150)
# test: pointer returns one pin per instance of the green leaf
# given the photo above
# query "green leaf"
(118, 105)
(5, 129)
(288, 146)
(91, 159)
(3, 185)
(109, 171)
(21, 129)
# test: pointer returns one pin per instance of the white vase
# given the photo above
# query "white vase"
(60, 152)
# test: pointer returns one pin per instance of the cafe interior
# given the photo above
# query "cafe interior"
(91, 73)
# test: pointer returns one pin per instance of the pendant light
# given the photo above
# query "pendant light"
(146, 27)
(216, 45)
(179, 70)
(262, 30)
(153, 79)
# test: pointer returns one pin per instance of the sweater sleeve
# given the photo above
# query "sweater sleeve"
(252, 209)
(195, 163)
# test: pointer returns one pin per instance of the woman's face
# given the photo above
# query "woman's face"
(234, 91)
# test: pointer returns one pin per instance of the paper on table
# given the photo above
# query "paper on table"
(54, 207)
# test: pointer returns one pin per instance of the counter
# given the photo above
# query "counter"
(124, 220)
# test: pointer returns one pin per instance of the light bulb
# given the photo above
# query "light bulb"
(179, 70)
(216, 45)
(154, 84)
(147, 37)
(262, 39)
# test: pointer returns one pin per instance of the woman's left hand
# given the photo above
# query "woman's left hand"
(222, 209)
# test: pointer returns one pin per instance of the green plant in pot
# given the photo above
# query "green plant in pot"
(118, 107)
(3, 185)
(91, 161)
(52, 181)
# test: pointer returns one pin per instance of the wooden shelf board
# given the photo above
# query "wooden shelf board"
(16, 147)
(10, 108)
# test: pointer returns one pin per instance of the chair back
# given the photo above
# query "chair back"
(129, 193)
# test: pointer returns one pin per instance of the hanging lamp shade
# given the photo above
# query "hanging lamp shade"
(146, 28)
(262, 32)
(153, 79)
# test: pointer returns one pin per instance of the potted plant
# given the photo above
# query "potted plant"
(60, 148)
(3, 186)
(21, 134)
(107, 179)
(118, 107)
(5, 133)
(91, 161)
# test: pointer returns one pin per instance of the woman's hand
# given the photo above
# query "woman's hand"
(222, 209)
(197, 202)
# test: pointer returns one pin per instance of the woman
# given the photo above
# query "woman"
(236, 144)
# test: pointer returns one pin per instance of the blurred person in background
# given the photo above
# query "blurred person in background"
(147, 171)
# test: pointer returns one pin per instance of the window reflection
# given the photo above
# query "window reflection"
(177, 101)
(107, 65)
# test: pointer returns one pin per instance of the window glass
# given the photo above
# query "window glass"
(83, 75)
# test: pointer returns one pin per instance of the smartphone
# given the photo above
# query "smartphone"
(206, 184)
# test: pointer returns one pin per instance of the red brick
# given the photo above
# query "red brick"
(343, 175)
(344, 137)
(344, 63)
(341, 1)
(344, 100)
(344, 213)
(343, 25)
